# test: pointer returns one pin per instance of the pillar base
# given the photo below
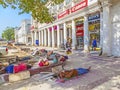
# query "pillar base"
(45, 45)
(107, 55)
(53, 46)
(86, 51)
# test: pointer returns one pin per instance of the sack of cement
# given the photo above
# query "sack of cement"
(19, 76)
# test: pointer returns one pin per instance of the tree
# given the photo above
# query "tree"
(37, 8)
(8, 33)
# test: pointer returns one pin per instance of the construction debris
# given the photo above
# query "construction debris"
(23, 65)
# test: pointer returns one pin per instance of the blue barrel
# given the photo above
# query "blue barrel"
(9, 69)
(37, 42)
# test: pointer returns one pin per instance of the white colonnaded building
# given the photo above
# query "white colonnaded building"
(82, 20)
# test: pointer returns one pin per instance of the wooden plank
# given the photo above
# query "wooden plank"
(9, 59)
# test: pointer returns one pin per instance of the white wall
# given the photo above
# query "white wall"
(115, 10)
(90, 2)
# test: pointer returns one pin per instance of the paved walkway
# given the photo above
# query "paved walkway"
(104, 75)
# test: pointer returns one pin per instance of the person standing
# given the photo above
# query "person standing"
(68, 48)
(94, 44)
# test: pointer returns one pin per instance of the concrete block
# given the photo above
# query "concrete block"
(34, 71)
(2, 80)
(19, 76)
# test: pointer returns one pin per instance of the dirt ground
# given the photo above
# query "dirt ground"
(104, 75)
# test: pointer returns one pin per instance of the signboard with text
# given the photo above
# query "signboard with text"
(66, 12)
(94, 17)
(79, 30)
(79, 33)
(79, 6)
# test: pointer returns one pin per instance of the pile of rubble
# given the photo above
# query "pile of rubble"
(11, 46)
(21, 68)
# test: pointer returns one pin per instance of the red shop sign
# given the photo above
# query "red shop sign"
(80, 33)
(79, 27)
(66, 12)
(79, 6)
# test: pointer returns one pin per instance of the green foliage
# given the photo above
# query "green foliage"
(8, 33)
(37, 8)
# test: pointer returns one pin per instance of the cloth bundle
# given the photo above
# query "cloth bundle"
(16, 68)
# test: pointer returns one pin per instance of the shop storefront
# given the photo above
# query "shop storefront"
(94, 28)
(79, 33)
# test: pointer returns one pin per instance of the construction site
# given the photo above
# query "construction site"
(29, 68)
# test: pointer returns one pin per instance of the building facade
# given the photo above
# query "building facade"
(82, 21)
(23, 34)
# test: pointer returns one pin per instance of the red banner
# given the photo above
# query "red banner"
(50, 29)
(79, 33)
(79, 27)
(63, 14)
(79, 6)
(55, 27)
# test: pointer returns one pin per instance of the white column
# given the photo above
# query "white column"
(64, 4)
(39, 38)
(73, 3)
(86, 34)
(101, 29)
(45, 41)
(42, 38)
(53, 38)
(32, 35)
(73, 34)
(48, 38)
(58, 36)
(65, 33)
(26, 39)
(61, 36)
(106, 31)
(33, 38)
(35, 35)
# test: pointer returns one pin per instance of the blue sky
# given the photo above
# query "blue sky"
(9, 17)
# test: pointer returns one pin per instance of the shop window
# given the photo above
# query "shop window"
(54, 8)
(67, 1)
(94, 28)
(61, 6)
(79, 33)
